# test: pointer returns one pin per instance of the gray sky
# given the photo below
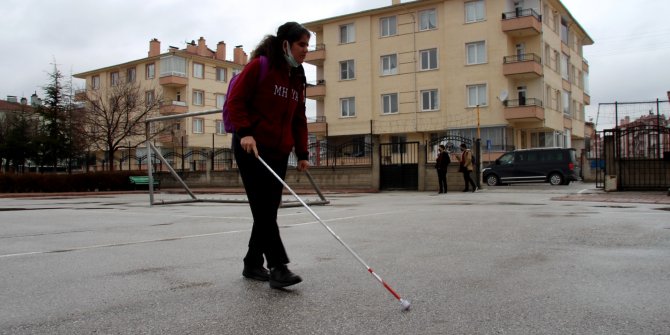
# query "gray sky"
(630, 60)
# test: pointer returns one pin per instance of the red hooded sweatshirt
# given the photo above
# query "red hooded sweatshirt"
(272, 111)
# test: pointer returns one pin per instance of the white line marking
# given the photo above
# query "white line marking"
(179, 237)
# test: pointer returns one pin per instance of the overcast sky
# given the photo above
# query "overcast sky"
(630, 60)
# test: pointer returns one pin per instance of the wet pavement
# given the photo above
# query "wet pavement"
(522, 259)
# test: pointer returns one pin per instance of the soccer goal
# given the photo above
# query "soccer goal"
(152, 150)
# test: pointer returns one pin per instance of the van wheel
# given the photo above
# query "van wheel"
(555, 179)
(492, 180)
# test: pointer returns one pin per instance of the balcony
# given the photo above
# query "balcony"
(317, 56)
(524, 110)
(318, 91)
(587, 98)
(173, 79)
(525, 66)
(173, 107)
(522, 22)
(317, 125)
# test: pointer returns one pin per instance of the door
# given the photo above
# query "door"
(521, 92)
(399, 166)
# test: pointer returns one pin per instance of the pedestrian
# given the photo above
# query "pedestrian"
(466, 167)
(441, 163)
(267, 110)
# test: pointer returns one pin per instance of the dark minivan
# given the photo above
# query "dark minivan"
(557, 166)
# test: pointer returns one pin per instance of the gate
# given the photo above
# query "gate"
(638, 156)
(399, 166)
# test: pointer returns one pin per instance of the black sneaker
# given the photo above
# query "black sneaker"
(281, 276)
(256, 273)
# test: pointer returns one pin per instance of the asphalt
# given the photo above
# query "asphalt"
(525, 259)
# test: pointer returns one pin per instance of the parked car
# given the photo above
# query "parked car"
(557, 166)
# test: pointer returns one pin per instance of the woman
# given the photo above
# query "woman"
(268, 114)
(466, 167)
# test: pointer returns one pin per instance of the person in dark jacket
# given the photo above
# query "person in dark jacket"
(441, 163)
(269, 121)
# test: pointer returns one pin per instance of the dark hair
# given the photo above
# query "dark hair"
(442, 146)
(463, 145)
(271, 46)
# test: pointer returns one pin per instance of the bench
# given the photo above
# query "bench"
(143, 180)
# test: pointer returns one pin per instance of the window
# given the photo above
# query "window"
(198, 125)
(477, 95)
(220, 128)
(220, 99)
(150, 71)
(221, 74)
(390, 103)
(198, 70)
(347, 34)
(95, 82)
(387, 26)
(429, 100)
(114, 78)
(347, 70)
(149, 97)
(427, 20)
(565, 61)
(198, 98)
(474, 11)
(173, 66)
(565, 103)
(428, 59)
(131, 74)
(389, 65)
(476, 53)
(564, 31)
(348, 107)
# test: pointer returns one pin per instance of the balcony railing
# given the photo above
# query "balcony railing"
(523, 102)
(522, 13)
(318, 91)
(522, 22)
(522, 58)
(316, 56)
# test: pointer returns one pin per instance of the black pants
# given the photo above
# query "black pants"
(467, 178)
(264, 192)
(442, 180)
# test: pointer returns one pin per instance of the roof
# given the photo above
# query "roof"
(13, 106)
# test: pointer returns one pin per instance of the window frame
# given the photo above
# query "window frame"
(220, 128)
(198, 102)
(350, 104)
(350, 69)
(198, 121)
(114, 78)
(385, 26)
(392, 70)
(390, 100)
(221, 74)
(150, 71)
(478, 100)
(347, 33)
(428, 52)
(222, 97)
(479, 5)
(95, 82)
(476, 47)
(431, 13)
(433, 100)
(149, 97)
(201, 67)
(131, 75)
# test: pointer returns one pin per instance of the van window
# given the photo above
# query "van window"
(506, 159)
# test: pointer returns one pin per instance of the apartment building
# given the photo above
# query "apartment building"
(513, 71)
(191, 79)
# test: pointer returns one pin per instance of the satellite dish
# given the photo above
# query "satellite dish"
(503, 95)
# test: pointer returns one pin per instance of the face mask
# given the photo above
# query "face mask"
(288, 56)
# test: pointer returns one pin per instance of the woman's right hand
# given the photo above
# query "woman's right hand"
(248, 143)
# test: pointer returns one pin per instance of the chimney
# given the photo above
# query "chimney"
(239, 56)
(154, 47)
(191, 48)
(220, 51)
(202, 47)
(11, 98)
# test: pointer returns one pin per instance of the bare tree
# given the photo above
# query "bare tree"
(117, 115)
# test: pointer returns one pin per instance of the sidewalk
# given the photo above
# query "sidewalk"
(641, 197)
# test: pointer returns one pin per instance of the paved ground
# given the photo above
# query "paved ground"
(528, 259)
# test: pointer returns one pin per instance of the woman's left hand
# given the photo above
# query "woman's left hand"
(303, 165)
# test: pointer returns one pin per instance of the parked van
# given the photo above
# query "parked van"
(557, 166)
